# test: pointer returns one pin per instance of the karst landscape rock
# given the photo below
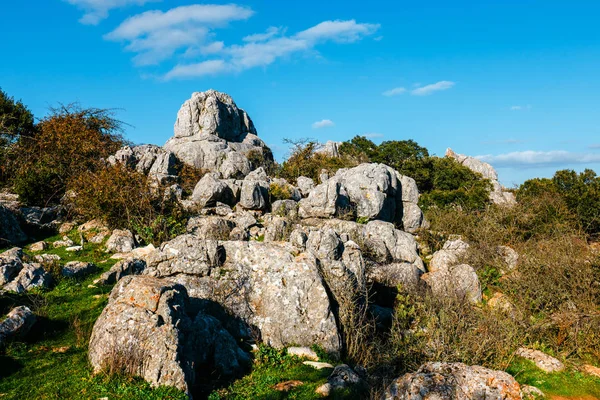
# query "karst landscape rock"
(314, 270)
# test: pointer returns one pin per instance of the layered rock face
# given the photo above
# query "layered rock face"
(212, 133)
(497, 195)
(147, 159)
(371, 192)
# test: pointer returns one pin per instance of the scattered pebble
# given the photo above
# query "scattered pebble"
(318, 365)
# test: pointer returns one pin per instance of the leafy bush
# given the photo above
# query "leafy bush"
(305, 160)
(580, 192)
(279, 192)
(67, 143)
(15, 121)
(124, 198)
(189, 177)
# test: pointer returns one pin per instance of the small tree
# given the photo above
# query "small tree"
(68, 142)
(15, 121)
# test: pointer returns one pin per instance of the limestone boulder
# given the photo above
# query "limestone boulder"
(453, 381)
(31, 276)
(210, 190)
(120, 241)
(17, 323)
(209, 127)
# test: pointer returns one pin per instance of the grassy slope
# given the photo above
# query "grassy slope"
(51, 363)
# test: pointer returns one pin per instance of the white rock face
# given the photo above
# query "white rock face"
(497, 195)
(209, 128)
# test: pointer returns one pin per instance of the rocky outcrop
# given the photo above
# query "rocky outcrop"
(78, 269)
(10, 230)
(148, 159)
(212, 133)
(145, 330)
(18, 276)
(17, 323)
(366, 192)
(497, 195)
(454, 381)
(279, 295)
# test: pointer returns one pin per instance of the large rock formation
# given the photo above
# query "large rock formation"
(269, 289)
(212, 133)
(497, 195)
(147, 330)
(367, 192)
(454, 381)
(147, 159)
(10, 230)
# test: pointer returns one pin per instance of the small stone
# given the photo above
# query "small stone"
(591, 370)
(531, 392)
(64, 242)
(287, 385)
(542, 360)
(74, 249)
(38, 246)
(78, 269)
(318, 365)
(67, 227)
(303, 352)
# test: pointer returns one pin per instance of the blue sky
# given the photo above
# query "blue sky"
(516, 82)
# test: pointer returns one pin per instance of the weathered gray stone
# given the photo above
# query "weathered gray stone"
(121, 241)
(146, 331)
(10, 264)
(402, 274)
(38, 246)
(120, 270)
(209, 127)
(186, 254)
(254, 195)
(388, 244)
(281, 295)
(147, 159)
(210, 190)
(239, 234)
(303, 352)
(78, 269)
(31, 276)
(342, 377)
(305, 185)
(210, 228)
(322, 201)
(450, 254)
(460, 281)
(453, 381)
(298, 239)
(277, 229)
(17, 323)
(542, 360)
(285, 208)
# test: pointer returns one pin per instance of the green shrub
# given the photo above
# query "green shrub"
(124, 198)
(306, 161)
(69, 142)
(279, 192)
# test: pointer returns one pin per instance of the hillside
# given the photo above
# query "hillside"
(205, 269)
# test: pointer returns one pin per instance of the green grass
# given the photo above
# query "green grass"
(569, 383)
(273, 366)
(51, 362)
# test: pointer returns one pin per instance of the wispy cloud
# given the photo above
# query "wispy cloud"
(594, 146)
(372, 135)
(530, 158)
(432, 88)
(97, 10)
(520, 108)
(156, 35)
(264, 49)
(394, 91)
(261, 37)
(326, 123)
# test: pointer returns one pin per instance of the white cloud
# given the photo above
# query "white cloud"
(520, 108)
(530, 158)
(594, 146)
(326, 123)
(97, 10)
(394, 92)
(261, 37)
(434, 87)
(156, 36)
(372, 135)
(338, 31)
(211, 67)
(263, 49)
